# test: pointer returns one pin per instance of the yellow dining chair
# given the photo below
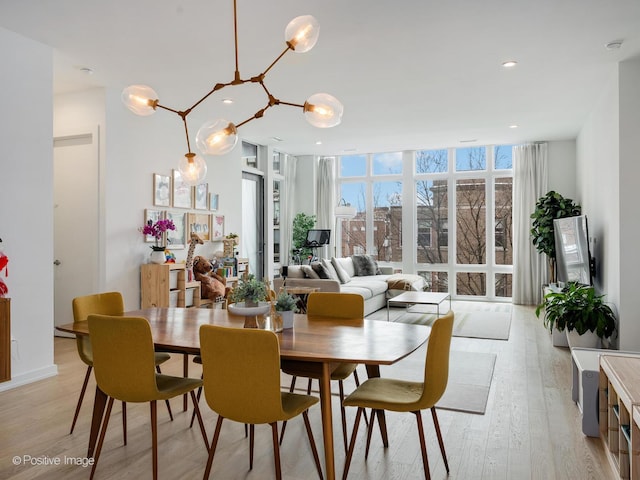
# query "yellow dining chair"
(124, 363)
(241, 370)
(109, 303)
(338, 306)
(405, 396)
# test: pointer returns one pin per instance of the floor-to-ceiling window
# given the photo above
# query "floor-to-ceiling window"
(456, 231)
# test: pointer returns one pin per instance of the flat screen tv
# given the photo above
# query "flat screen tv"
(317, 238)
(573, 258)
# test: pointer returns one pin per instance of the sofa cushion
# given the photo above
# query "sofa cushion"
(364, 291)
(347, 265)
(377, 287)
(406, 281)
(364, 265)
(330, 270)
(309, 272)
(294, 271)
(343, 276)
(320, 271)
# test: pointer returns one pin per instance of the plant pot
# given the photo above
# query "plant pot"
(586, 340)
(250, 313)
(157, 256)
(287, 318)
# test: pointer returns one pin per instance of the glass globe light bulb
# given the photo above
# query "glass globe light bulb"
(323, 110)
(216, 137)
(193, 169)
(140, 99)
(302, 33)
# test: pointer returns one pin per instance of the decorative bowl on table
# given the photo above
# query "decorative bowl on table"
(250, 313)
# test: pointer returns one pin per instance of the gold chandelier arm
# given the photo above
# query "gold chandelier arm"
(277, 60)
(291, 104)
(258, 114)
(186, 132)
(167, 108)
(218, 86)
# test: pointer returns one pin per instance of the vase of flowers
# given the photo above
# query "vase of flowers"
(157, 230)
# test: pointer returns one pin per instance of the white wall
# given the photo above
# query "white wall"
(26, 202)
(562, 167)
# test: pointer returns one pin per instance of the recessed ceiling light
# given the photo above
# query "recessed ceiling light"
(277, 139)
(509, 63)
(471, 140)
(227, 100)
(513, 126)
(319, 142)
(86, 70)
(615, 45)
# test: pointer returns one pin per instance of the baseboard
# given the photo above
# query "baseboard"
(29, 377)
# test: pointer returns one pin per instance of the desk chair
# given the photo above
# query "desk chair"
(348, 306)
(124, 362)
(404, 396)
(109, 303)
(241, 369)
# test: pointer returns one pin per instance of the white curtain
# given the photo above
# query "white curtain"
(287, 209)
(325, 200)
(529, 184)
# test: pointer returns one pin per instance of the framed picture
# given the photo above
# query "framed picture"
(182, 193)
(217, 227)
(213, 202)
(199, 223)
(161, 190)
(154, 216)
(201, 200)
(176, 238)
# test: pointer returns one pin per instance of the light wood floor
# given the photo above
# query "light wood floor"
(531, 428)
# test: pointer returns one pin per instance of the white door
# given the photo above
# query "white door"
(75, 215)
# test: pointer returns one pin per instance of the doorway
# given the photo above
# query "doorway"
(253, 222)
(76, 221)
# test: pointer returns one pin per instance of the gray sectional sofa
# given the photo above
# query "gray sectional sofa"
(356, 274)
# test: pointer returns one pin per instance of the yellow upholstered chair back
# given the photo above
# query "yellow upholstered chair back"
(241, 373)
(336, 305)
(436, 371)
(123, 357)
(109, 303)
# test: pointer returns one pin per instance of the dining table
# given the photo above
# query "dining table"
(315, 345)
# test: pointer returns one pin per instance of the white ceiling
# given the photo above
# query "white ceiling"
(411, 74)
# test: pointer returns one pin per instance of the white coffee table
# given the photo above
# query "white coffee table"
(409, 299)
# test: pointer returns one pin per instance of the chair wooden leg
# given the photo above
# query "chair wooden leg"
(343, 416)
(309, 386)
(439, 434)
(166, 401)
(357, 380)
(154, 437)
(251, 438)
(284, 424)
(314, 450)
(383, 427)
(212, 450)
(196, 411)
(193, 415)
(124, 422)
(369, 432)
(423, 446)
(103, 431)
(276, 450)
(352, 444)
(84, 389)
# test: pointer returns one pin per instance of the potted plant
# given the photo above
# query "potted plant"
(301, 224)
(578, 310)
(286, 305)
(548, 208)
(157, 231)
(249, 290)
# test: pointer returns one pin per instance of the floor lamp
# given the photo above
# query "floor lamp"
(343, 210)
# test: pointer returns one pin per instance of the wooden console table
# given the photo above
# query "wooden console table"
(619, 396)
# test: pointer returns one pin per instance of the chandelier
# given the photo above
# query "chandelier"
(217, 137)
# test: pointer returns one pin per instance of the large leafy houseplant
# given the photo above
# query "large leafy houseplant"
(301, 224)
(578, 307)
(548, 208)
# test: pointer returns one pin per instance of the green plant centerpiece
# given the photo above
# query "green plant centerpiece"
(249, 290)
(285, 302)
(577, 307)
(301, 224)
(548, 208)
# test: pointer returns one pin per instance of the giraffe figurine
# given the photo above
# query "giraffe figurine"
(195, 240)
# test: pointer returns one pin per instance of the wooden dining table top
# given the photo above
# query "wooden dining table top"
(318, 339)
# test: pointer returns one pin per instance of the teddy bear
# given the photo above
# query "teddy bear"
(212, 285)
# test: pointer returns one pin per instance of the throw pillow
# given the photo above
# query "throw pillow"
(320, 271)
(309, 272)
(364, 265)
(343, 276)
(330, 269)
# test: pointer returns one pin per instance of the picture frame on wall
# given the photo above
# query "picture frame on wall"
(217, 227)
(153, 215)
(201, 196)
(213, 202)
(161, 190)
(176, 238)
(182, 193)
(199, 223)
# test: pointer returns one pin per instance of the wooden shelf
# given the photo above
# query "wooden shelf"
(5, 339)
(165, 285)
